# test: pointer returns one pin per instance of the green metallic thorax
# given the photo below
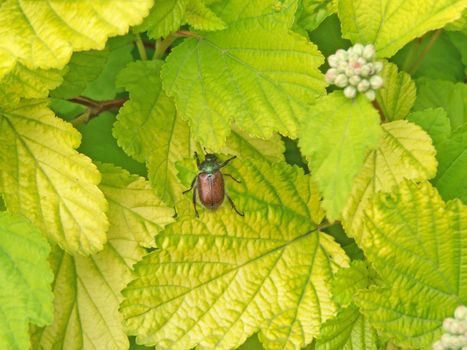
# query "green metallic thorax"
(210, 165)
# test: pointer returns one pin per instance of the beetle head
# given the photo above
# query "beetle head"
(210, 157)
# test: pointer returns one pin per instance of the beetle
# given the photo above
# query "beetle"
(209, 183)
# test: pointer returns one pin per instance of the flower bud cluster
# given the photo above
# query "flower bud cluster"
(355, 70)
(455, 336)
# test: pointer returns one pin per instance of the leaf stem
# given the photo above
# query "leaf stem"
(186, 33)
(140, 46)
(94, 108)
(413, 68)
(380, 111)
(162, 45)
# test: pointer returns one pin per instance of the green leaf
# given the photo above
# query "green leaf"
(311, 13)
(45, 179)
(335, 136)
(451, 180)
(347, 331)
(420, 255)
(22, 82)
(328, 37)
(87, 289)
(201, 17)
(434, 121)
(269, 13)
(25, 293)
(433, 56)
(458, 40)
(391, 24)
(255, 271)
(104, 87)
(397, 96)
(43, 35)
(405, 151)
(241, 144)
(82, 68)
(440, 93)
(259, 78)
(348, 282)
(166, 16)
(148, 128)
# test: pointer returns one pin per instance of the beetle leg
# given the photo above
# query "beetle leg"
(197, 159)
(233, 206)
(194, 202)
(191, 186)
(232, 178)
(224, 163)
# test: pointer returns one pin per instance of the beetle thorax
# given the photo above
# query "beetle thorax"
(209, 167)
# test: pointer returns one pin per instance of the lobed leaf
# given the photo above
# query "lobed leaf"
(434, 121)
(201, 17)
(349, 281)
(347, 331)
(25, 294)
(269, 13)
(405, 152)
(390, 24)
(259, 78)
(397, 96)
(265, 271)
(43, 34)
(83, 68)
(440, 93)
(311, 13)
(166, 16)
(420, 254)
(335, 136)
(22, 82)
(148, 128)
(451, 180)
(45, 179)
(87, 289)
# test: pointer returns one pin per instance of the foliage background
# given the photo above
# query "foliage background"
(354, 234)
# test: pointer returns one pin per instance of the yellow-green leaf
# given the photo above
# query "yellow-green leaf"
(336, 135)
(348, 331)
(25, 293)
(87, 289)
(200, 17)
(265, 271)
(416, 242)
(23, 82)
(43, 34)
(45, 179)
(405, 151)
(398, 93)
(390, 24)
(259, 78)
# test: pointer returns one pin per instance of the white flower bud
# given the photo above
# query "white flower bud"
(370, 94)
(350, 92)
(366, 70)
(333, 60)
(354, 80)
(438, 346)
(369, 52)
(358, 49)
(341, 54)
(349, 71)
(342, 66)
(361, 61)
(376, 82)
(378, 66)
(447, 324)
(341, 80)
(461, 312)
(331, 75)
(363, 85)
